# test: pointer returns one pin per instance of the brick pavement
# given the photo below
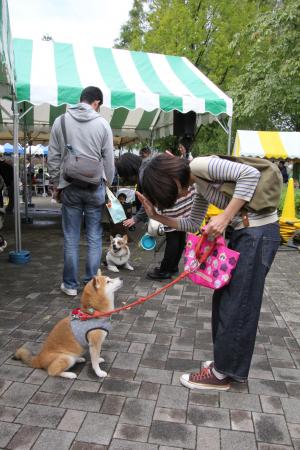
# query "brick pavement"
(141, 404)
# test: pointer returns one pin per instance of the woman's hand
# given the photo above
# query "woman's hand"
(217, 225)
(129, 222)
(149, 208)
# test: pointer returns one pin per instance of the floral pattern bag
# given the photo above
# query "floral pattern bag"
(208, 260)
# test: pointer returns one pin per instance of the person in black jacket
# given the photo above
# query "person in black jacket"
(7, 173)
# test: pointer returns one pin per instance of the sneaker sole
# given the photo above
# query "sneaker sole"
(191, 385)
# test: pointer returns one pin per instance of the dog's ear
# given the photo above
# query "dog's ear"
(125, 238)
(95, 283)
(111, 238)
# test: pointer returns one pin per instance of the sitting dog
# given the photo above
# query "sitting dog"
(118, 253)
(66, 342)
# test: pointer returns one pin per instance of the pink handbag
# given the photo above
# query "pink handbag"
(208, 260)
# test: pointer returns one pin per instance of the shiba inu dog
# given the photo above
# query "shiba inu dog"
(66, 343)
(118, 253)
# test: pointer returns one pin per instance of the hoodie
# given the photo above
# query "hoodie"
(86, 131)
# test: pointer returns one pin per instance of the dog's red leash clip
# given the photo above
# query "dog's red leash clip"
(78, 314)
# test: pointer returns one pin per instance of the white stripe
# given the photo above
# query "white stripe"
(175, 86)
(144, 98)
(291, 143)
(88, 71)
(43, 82)
(133, 119)
(210, 85)
(250, 144)
(106, 113)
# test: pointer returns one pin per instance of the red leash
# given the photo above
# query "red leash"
(78, 314)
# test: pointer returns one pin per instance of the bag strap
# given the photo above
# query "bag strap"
(205, 255)
(63, 128)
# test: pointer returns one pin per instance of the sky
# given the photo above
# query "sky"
(96, 22)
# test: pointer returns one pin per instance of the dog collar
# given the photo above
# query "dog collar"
(80, 315)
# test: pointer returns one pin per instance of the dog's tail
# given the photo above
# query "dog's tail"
(25, 355)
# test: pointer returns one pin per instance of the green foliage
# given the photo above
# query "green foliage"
(249, 48)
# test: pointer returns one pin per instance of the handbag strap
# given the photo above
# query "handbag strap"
(205, 255)
(63, 128)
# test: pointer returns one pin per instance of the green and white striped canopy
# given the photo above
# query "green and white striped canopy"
(141, 90)
(7, 78)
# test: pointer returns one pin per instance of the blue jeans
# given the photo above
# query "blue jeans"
(236, 307)
(77, 202)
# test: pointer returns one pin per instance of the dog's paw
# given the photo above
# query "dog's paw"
(81, 359)
(101, 373)
(70, 375)
(129, 267)
(113, 268)
(101, 360)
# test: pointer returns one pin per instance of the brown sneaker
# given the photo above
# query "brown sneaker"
(205, 379)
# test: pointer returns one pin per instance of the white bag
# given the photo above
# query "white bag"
(114, 207)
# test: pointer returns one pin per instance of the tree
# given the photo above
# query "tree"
(268, 90)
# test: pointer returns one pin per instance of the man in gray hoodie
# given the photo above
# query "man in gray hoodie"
(87, 131)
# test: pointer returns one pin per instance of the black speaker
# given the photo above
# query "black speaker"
(184, 124)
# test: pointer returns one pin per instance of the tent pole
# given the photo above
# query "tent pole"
(16, 177)
(229, 135)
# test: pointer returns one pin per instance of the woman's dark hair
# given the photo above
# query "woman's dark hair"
(90, 94)
(128, 165)
(160, 176)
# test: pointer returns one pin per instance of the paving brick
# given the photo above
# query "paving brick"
(112, 405)
(271, 428)
(209, 417)
(157, 352)
(271, 404)
(248, 402)
(127, 361)
(56, 385)
(174, 434)
(46, 398)
(8, 414)
(241, 420)
(14, 373)
(137, 411)
(294, 429)
(153, 375)
(53, 440)
(169, 415)
(208, 438)
(120, 387)
(131, 432)
(136, 347)
(236, 440)
(97, 428)
(40, 415)
(24, 438)
(4, 384)
(291, 407)
(120, 444)
(286, 374)
(149, 391)
(18, 394)
(87, 446)
(264, 387)
(85, 401)
(72, 420)
(173, 397)
(293, 389)
(38, 376)
(205, 399)
(7, 431)
(263, 446)
(87, 386)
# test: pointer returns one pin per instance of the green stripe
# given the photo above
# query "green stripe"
(146, 120)
(119, 118)
(213, 103)
(56, 111)
(167, 100)
(121, 96)
(68, 83)
(23, 60)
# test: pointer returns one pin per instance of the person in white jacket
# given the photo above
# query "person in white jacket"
(87, 131)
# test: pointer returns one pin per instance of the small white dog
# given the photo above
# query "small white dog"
(118, 253)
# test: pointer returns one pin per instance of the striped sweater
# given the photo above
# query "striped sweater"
(182, 207)
(218, 171)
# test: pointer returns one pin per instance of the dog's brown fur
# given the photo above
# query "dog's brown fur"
(61, 350)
